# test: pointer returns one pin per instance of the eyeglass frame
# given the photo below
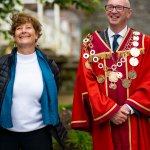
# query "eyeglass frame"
(123, 7)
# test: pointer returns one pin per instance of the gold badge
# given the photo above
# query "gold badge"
(132, 74)
(113, 77)
(126, 83)
(133, 61)
(136, 33)
(135, 43)
(135, 38)
(113, 86)
(119, 75)
(100, 79)
(135, 52)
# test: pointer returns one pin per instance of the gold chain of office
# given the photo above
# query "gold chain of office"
(111, 71)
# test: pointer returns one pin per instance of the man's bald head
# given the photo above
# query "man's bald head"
(120, 2)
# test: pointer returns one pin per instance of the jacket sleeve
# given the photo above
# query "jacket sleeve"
(4, 75)
(55, 71)
(59, 132)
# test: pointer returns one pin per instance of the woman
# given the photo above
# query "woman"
(28, 91)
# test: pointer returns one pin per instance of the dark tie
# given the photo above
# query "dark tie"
(115, 43)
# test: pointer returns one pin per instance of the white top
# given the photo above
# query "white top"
(120, 38)
(27, 91)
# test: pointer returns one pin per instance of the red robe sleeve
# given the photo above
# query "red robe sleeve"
(140, 99)
(90, 105)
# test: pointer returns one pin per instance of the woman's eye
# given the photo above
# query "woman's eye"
(28, 27)
(18, 28)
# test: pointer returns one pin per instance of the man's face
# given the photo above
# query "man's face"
(118, 16)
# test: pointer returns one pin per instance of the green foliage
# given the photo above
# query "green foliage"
(75, 140)
(81, 140)
(67, 106)
(88, 5)
(7, 7)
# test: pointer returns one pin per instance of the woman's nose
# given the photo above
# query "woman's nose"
(24, 29)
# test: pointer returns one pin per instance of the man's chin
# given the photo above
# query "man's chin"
(114, 23)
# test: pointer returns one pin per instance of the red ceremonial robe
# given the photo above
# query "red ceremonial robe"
(95, 103)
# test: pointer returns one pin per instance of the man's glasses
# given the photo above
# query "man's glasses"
(118, 8)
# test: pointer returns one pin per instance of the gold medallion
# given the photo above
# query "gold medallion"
(108, 73)
(119, 75)
(87, 65)
(113, 86)
(101, 79)
(113, 77)
(136, 33)
(133, 61)
(132, 74)
(134, 52)
(126, 83)
(135, 38)
(135, 43)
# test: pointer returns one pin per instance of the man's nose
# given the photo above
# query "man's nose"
(114, 9)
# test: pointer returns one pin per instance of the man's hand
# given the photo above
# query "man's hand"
(121, 116)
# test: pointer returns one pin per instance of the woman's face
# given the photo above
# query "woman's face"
(25, 35)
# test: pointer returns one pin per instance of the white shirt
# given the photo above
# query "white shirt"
(120, 38)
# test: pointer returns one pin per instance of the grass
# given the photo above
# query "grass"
(75, 140)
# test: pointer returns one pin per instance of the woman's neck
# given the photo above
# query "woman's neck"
(26, 50)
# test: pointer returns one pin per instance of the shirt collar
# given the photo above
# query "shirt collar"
(121, 33)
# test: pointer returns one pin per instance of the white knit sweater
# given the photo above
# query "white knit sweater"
(27, 90)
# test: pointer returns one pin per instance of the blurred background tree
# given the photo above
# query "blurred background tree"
(88, 5)
(8, 7)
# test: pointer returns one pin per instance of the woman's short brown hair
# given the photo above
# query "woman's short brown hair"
(22, 18)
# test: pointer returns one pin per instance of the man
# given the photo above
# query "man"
(112, 91)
